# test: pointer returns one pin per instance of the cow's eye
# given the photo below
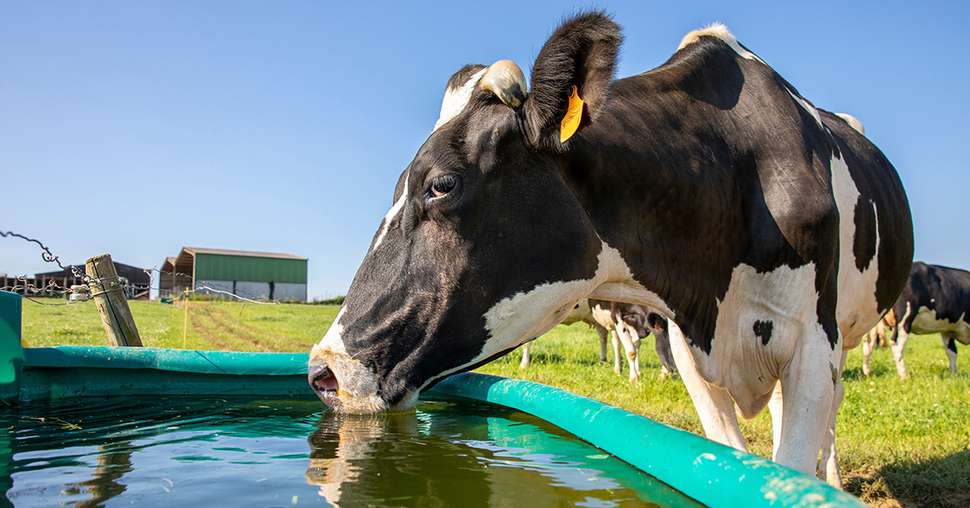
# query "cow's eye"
(442, 185)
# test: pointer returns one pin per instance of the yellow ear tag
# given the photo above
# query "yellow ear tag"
(574, 114)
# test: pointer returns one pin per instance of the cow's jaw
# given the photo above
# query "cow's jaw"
(351, 386)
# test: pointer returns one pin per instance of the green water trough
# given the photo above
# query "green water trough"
(710, 473)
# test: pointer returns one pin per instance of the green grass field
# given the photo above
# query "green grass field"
(900, 442)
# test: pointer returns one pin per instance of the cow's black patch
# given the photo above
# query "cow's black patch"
(952, 345)
(763, 329)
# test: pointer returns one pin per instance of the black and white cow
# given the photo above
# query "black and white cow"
(770, 233)
(935, 300)
(628, 324)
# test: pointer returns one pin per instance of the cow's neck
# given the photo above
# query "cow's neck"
(666, 213)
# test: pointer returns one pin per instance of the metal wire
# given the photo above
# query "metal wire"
(46, 253)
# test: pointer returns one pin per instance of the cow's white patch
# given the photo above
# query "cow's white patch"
(807, 106)
(358, 385)
(739, 361)
(528, 314)
(456, 99)
(857, 309)
(395, 209)
(853, 122)
(926, 321)
(719, 31)
(333, 340)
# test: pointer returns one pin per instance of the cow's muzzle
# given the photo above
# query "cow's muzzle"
(343, 383)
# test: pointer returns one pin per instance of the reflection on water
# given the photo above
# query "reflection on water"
(208, 451)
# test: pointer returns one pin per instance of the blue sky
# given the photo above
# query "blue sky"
(283, 126)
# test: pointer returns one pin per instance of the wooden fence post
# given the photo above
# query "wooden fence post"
(110, 299)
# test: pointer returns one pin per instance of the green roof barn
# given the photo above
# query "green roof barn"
(249, 274)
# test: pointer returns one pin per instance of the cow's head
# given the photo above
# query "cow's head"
(485, 247)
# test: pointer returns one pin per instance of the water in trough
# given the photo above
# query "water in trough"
(247, 452)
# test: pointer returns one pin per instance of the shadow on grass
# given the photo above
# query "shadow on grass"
(855, 373)
(941, 482)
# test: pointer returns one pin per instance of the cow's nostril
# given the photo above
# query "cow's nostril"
(321, 379)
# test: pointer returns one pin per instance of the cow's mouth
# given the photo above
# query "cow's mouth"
(324, 384)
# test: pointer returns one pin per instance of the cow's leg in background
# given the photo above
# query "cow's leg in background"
(631, 344)
(526, 357)
(900, 336)
(869, 342)
(602, 333)
(713, 404)
(662, 345)
(950, 345)
(808, 385)
(617, 358)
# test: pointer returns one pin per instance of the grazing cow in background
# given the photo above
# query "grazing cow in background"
(628, 325)
(770, 233)
(935, 300)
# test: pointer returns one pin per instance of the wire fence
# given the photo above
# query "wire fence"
(78, 293)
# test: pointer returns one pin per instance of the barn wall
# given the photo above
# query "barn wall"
(286, 291)
(253, 290)
(254, 269)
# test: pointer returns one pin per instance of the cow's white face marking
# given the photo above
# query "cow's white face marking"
(456, 99)
(395, 209)
(454, 102)
(358, 385)
(857, 309)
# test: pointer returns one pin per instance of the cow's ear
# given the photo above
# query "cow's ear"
(571, 79)
(458, 91)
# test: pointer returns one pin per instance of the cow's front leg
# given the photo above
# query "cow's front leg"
(713, 404)
(950, 345)
(830, 458)
(526, 357)
(900, 336)
(808, 385)
(776, 409)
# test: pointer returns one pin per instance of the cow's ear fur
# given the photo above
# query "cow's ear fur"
(582, 52)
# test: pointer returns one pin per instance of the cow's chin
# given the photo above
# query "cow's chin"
(343, 403)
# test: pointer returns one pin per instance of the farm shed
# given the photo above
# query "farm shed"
(249, 274)
(137, 281)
